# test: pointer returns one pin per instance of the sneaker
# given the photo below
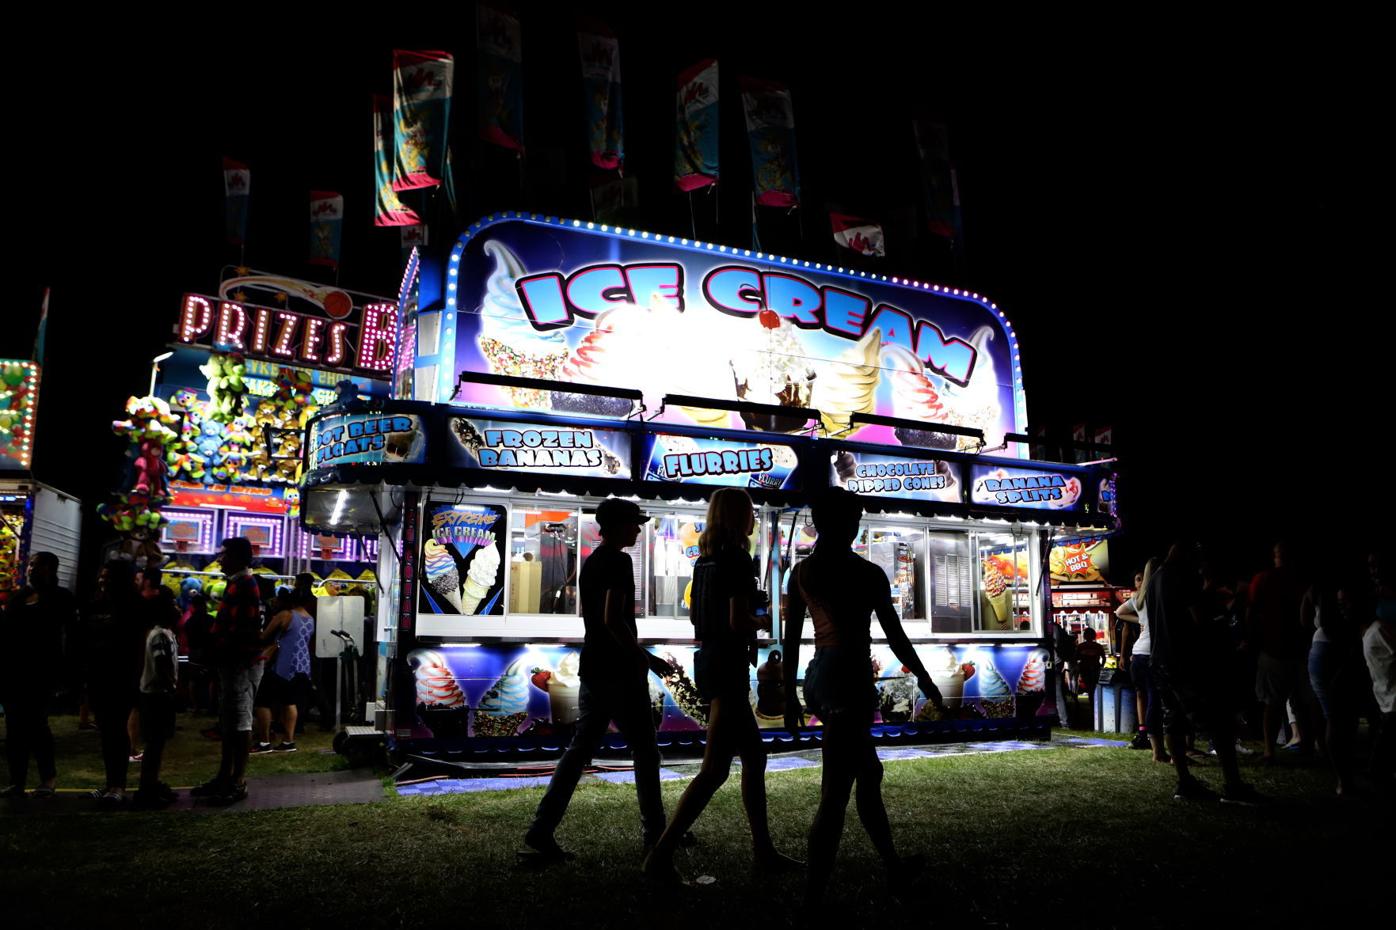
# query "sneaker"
(259, 748)
(209, 789)
(1243, 795)
(152, 801)
(12, 791)
(284, 746)
(545, 847)
(230, 795)
(88, 727)
(44, 793)
(136, 757)
(1140, 741)
(111, 800)
(1193, 790)
(166, 793)
(1241, 750)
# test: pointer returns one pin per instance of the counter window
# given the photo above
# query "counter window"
(1005, 588)
(901, 554)
(952, 583)
(543, 566)
(674, 551)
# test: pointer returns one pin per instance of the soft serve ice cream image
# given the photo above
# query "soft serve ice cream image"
(949, 675)
(443, 579)
(918, 394)
(563, 685)
(508, 341)
(503, 709)
(481, 576)
(995, 694)
(440, 702)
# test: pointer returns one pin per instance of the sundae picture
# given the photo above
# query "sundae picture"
(897, 695)
(441, 704)
(503, 709)
(996, 595)
(508, 341)
(563, 686)
(949, 675)
(778, 374)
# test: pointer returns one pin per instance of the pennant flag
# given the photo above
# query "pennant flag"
(600, 53)
(938, 183)
(326, 222)
(388, 208)
(770, 127)
(41, 332)
(695, 158)
(858, 235)
(499, 73)
(421, 112)
(237, 184)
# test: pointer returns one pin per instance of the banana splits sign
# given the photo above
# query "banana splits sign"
(555, 301)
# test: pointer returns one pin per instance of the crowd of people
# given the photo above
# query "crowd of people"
(1309, 653)
(250, 663)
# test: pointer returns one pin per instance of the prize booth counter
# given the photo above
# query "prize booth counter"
(486, 516)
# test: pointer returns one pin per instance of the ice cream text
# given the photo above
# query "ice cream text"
(540, 448)
(552, 300)
(357, 437)
(896, 476)
(678, 466)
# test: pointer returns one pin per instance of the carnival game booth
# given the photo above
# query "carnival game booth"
(246, 368)
(33, 516)
(733, 368)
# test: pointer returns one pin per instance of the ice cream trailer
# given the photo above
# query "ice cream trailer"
(545, 365)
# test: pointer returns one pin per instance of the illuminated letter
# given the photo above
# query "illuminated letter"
(196, 319)
(230, 335)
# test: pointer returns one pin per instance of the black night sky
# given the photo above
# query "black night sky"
(1178, 218)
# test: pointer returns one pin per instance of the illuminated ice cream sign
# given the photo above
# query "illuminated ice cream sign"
(565, 305)
(553, 450)
(888, 476)
(691, 460)
(1013, 487)
(359, 439)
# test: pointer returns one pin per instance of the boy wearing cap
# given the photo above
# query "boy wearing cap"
(615, 682)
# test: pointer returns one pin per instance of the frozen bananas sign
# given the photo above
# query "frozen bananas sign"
(690, 460)
(569, 305)
(889, 476)
(1019, 487)
(539, 449)
(366, 439)
(463, 559)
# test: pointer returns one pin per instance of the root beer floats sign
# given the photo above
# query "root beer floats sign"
(572, 303)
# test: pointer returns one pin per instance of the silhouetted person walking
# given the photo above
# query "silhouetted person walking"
(728, 609)
(841, 592)
(615, 683)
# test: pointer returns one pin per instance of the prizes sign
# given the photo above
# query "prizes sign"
(889, 476)
(366, 439)
(690, 460)
(541, 449)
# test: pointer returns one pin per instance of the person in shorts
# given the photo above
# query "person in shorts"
(286, 682)
(159, 681)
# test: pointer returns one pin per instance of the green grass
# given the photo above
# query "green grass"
(1089, 837)
(190, 758)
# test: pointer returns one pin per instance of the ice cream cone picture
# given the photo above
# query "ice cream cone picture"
(504, 707)
(996, 596)
(685, 693)
(915, 396)
(976, 405)
(440, 701)
(995, 696)
(481, 576)
(599, 359)
(563, 687)
(508, 341)
(1032, 684)
(443, 579)
(849, 385)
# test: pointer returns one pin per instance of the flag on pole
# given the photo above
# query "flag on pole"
(770, 128)
(237, 183)
(41, 332)
(600, 52)
(499, 76)
(858, 235)
(326, 222)
(388, 208)
(421, 113)
(695, 158)
(938, 183)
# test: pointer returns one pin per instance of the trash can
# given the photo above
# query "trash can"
(1114, 704)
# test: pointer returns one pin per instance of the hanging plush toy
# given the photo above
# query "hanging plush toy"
(226, 387)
